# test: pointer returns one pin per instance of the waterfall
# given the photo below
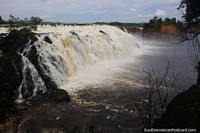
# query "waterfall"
(29, 71)
(61, 51)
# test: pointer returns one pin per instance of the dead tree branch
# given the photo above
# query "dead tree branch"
(157, 88)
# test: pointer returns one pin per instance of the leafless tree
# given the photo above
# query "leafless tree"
(156, 92)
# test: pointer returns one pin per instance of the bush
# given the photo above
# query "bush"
(17, 23)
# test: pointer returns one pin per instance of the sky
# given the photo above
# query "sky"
(89, 11)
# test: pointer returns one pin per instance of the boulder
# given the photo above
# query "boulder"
(183, 111)
(47, 39)
(60, 95)
(54, 96)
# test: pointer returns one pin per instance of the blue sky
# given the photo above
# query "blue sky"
(87, 11)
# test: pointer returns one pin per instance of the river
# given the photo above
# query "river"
(113, 99)
(103, 95)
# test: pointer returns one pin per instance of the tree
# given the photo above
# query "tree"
(192, 19)
(2, 21)
(173, 21)
(160, 21)
(17, 23)
(34, 21)
(167, 21)
(153, 102)
(192, 12)
(156, 24)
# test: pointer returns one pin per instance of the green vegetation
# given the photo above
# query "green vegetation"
(156, 23)
(119, 24)
(183, 111)
(192, 12)
(192, 19)
(16, 23)
(2, 21)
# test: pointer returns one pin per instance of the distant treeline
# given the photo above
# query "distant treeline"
(16, 23)
(2, 21)
(156, 24)
(122, 24)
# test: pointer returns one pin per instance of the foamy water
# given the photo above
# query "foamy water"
(104, 48)
(101, 73)
(78, 56)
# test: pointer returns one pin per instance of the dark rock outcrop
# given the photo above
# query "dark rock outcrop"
(60, 96)
(42, 68)
(73, 33)
(11, 68)
(47, 39)
(183, 111)
(11, 62)
(55, 96)
(19, 56)
(30, 55)
(103, 32)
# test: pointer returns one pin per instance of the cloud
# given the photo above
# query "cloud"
(89, 10)
(160, 13)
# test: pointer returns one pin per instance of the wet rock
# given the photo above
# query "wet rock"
(47, 39)
(102, 32)
(60, 96)
(183, 111)
(73, 33)
(18, 58)
(50, 85)
(11, 62)
(55, 96)
(30, 54)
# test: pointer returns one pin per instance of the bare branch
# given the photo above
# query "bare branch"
(149, 108)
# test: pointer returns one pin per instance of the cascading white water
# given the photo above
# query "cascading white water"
(72, 48)
(37, 80)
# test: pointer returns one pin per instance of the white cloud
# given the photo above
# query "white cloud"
(89, 10)
(160, 13)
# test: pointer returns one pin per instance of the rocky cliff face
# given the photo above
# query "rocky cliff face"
(11, 63)
(11, 68)
(26, 70)
(20, 65)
